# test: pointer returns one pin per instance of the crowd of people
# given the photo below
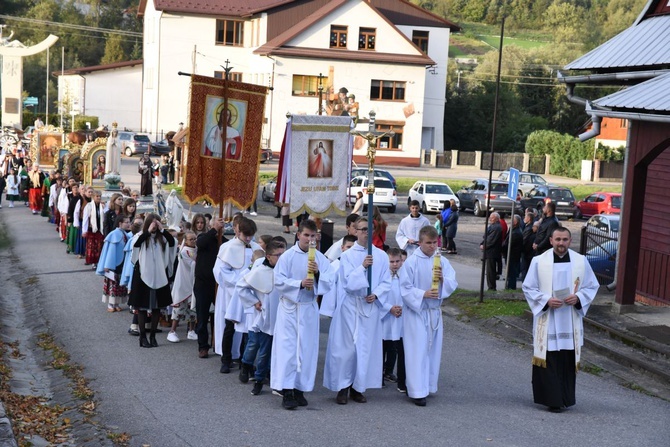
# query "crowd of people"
(263, 296)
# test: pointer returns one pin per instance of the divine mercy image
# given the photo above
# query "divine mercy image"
(320, 158)
(217, 116)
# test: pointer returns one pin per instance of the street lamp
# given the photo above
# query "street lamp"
(372, 136)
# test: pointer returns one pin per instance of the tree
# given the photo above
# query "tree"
(114, 50)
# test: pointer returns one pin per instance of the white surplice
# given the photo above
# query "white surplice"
(422, 321)
(258, 286)
(182, 288)
(562, 327)
(408, 228)
(354, 353)
(295, 346)
(392, 325)
(232, 262)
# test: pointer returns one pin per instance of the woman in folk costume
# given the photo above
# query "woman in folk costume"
(183, 305)
(154, 254)
(46, 194)
(80, 242)
(72, 208)
(110, 265)
(559, 287)
(93, 222)
(127, 271)
(62, 204)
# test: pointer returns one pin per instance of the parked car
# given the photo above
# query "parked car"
(431, 195)
(378, 173)
(133, 143)
(266, 155)
(604, 224)
(599, 203)
(268, 191)
(540, 195)
(385, 195)
(474, 197)
(603, 261)
(527, 180)
(160, 147)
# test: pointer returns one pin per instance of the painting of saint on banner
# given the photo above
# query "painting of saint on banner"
(48, 144)
(320, 159)
(216, 117)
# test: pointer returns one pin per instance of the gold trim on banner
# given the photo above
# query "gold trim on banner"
(313, 213)
(318, 128)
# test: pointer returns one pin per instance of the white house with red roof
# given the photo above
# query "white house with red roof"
(390, 54)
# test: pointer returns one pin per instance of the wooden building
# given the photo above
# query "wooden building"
(639, 59)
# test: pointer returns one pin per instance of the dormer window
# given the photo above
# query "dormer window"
(229, 32)
(420, 39)
(338, 36)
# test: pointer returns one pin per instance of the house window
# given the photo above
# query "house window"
(420, 39)
(394, 142)
(387, 91)
(338, 36)
(237, 77)
(229, 32)
(366, 38)
(305, 85)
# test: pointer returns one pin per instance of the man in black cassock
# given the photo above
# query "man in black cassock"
(146, 173)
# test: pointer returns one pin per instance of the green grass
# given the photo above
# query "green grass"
(491, 307)
(494, 41)
(581, 191)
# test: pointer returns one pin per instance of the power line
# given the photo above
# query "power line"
(72, 26)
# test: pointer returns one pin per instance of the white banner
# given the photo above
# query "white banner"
(317, 164)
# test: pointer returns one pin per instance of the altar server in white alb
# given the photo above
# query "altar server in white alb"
(295, 347)
(426, 279)
(232, 262)
(559, 287)
(329, 301)
(256, 291)
(407, 235)
(354, 353)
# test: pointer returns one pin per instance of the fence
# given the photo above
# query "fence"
(611, 170)
(503, 161)
(482, 160)
(467, 158)
(536, 164)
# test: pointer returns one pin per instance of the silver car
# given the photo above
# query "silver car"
(527, 180)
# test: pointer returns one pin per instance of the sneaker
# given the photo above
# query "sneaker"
(258, 386)
(191, 335)
(402, 390)
(173, 337)
(391, 377)
(300, 398)
(134, 332)
(279, 393)
(253, 213)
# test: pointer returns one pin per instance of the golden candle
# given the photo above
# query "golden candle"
(311, 256)
(436, 276)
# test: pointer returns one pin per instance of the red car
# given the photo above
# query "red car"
(599, 203)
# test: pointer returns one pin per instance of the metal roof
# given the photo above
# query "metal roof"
(645, 45)
(652, 95)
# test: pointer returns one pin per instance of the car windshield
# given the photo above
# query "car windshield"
(616, 201)
(438, 189)
(142, 138)
(561, 194)
(381, 183)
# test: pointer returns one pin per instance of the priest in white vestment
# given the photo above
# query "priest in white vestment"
(295, 347)
(354, 353)
(559, 287)
(407, 235)
(422, 314)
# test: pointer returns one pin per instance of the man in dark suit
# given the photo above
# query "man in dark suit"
(548, 225)
(492, 247)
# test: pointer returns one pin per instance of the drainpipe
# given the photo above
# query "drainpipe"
(595, 128)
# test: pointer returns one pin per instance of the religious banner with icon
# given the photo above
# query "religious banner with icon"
(243, 120)
(315, 164)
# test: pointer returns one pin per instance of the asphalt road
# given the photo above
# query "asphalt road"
(169, 397)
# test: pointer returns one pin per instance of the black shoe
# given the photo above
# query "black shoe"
(300, 398)
(421, 402)
(144, 343)
(225, 368)
(357, 396)
(342, 396)
(153, 342)
(134, 332)
(555, 409)
(390, 377)
(258, 386)
(288, 400)
(244, 373)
